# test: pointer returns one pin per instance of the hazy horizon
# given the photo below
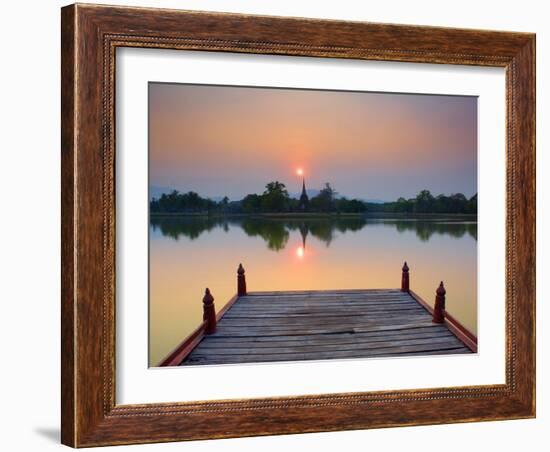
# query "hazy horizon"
(218, 140)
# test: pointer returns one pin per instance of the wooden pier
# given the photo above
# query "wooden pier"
(259, 327)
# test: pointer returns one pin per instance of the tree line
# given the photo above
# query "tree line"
(425, 202)
(275, 199)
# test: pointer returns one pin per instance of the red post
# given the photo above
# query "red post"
(209, 312)
(439, 308)
(241, 281)
(405, 278)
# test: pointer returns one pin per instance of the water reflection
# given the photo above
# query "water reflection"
(425, 229)
(188, 254)
(276, 231)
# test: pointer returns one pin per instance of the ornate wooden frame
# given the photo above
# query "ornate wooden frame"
(90, 35)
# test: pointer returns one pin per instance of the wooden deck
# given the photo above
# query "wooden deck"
(317, 325)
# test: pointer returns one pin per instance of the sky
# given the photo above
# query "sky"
(224, 140)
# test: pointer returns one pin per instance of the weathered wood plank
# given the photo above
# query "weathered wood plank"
(307, 327)
(342, 316)
(457, 351)
(325, 339)
(326, 348)
(258, 326)
(359, 336)
(323, 310)
(275, 319)
(451, 351)
(323, 295)
(300, 314)
(324, 303)
(322, 300)
(312, 316)
(431, 329)
(311, 298)
(388, 351)
(262, 332)
(342, 310)
(249, 301)
(322, 292)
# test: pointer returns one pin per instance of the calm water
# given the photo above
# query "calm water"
(189, 254)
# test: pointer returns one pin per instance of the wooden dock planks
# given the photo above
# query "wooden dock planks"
(315, 325)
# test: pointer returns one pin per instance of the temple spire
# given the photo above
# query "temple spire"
(304, 200)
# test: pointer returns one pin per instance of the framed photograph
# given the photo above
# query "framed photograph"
(282, 225)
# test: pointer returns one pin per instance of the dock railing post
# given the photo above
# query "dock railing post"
(241, 281)
(405, 278)
(209, 312)
(439, 308)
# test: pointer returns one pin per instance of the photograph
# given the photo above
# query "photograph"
(294, 224)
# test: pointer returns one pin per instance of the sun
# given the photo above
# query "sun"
(300, 172)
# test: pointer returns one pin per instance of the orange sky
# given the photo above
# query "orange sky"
(218, 140)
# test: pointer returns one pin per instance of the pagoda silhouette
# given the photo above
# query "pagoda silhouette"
(303, 203)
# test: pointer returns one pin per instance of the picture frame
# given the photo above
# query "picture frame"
(90, 36)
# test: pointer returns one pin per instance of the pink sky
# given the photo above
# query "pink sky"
(218, 140)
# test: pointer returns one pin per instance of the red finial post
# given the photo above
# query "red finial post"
(241, 281)
(439, 308)
(209, 312)
(405, 278)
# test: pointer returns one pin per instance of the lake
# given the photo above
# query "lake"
(188, 254)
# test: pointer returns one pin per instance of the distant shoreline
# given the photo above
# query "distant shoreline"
(314, 215)
(259, 214)
(418, 215)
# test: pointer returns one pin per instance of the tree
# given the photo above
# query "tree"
(350, 205)
(472, 204)
(181, 202)
(424, 201)
(224, 203)
(403, 205)
(275, 187)
(275, 197)
(252, 203)
(325, 200)
(458, 203)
